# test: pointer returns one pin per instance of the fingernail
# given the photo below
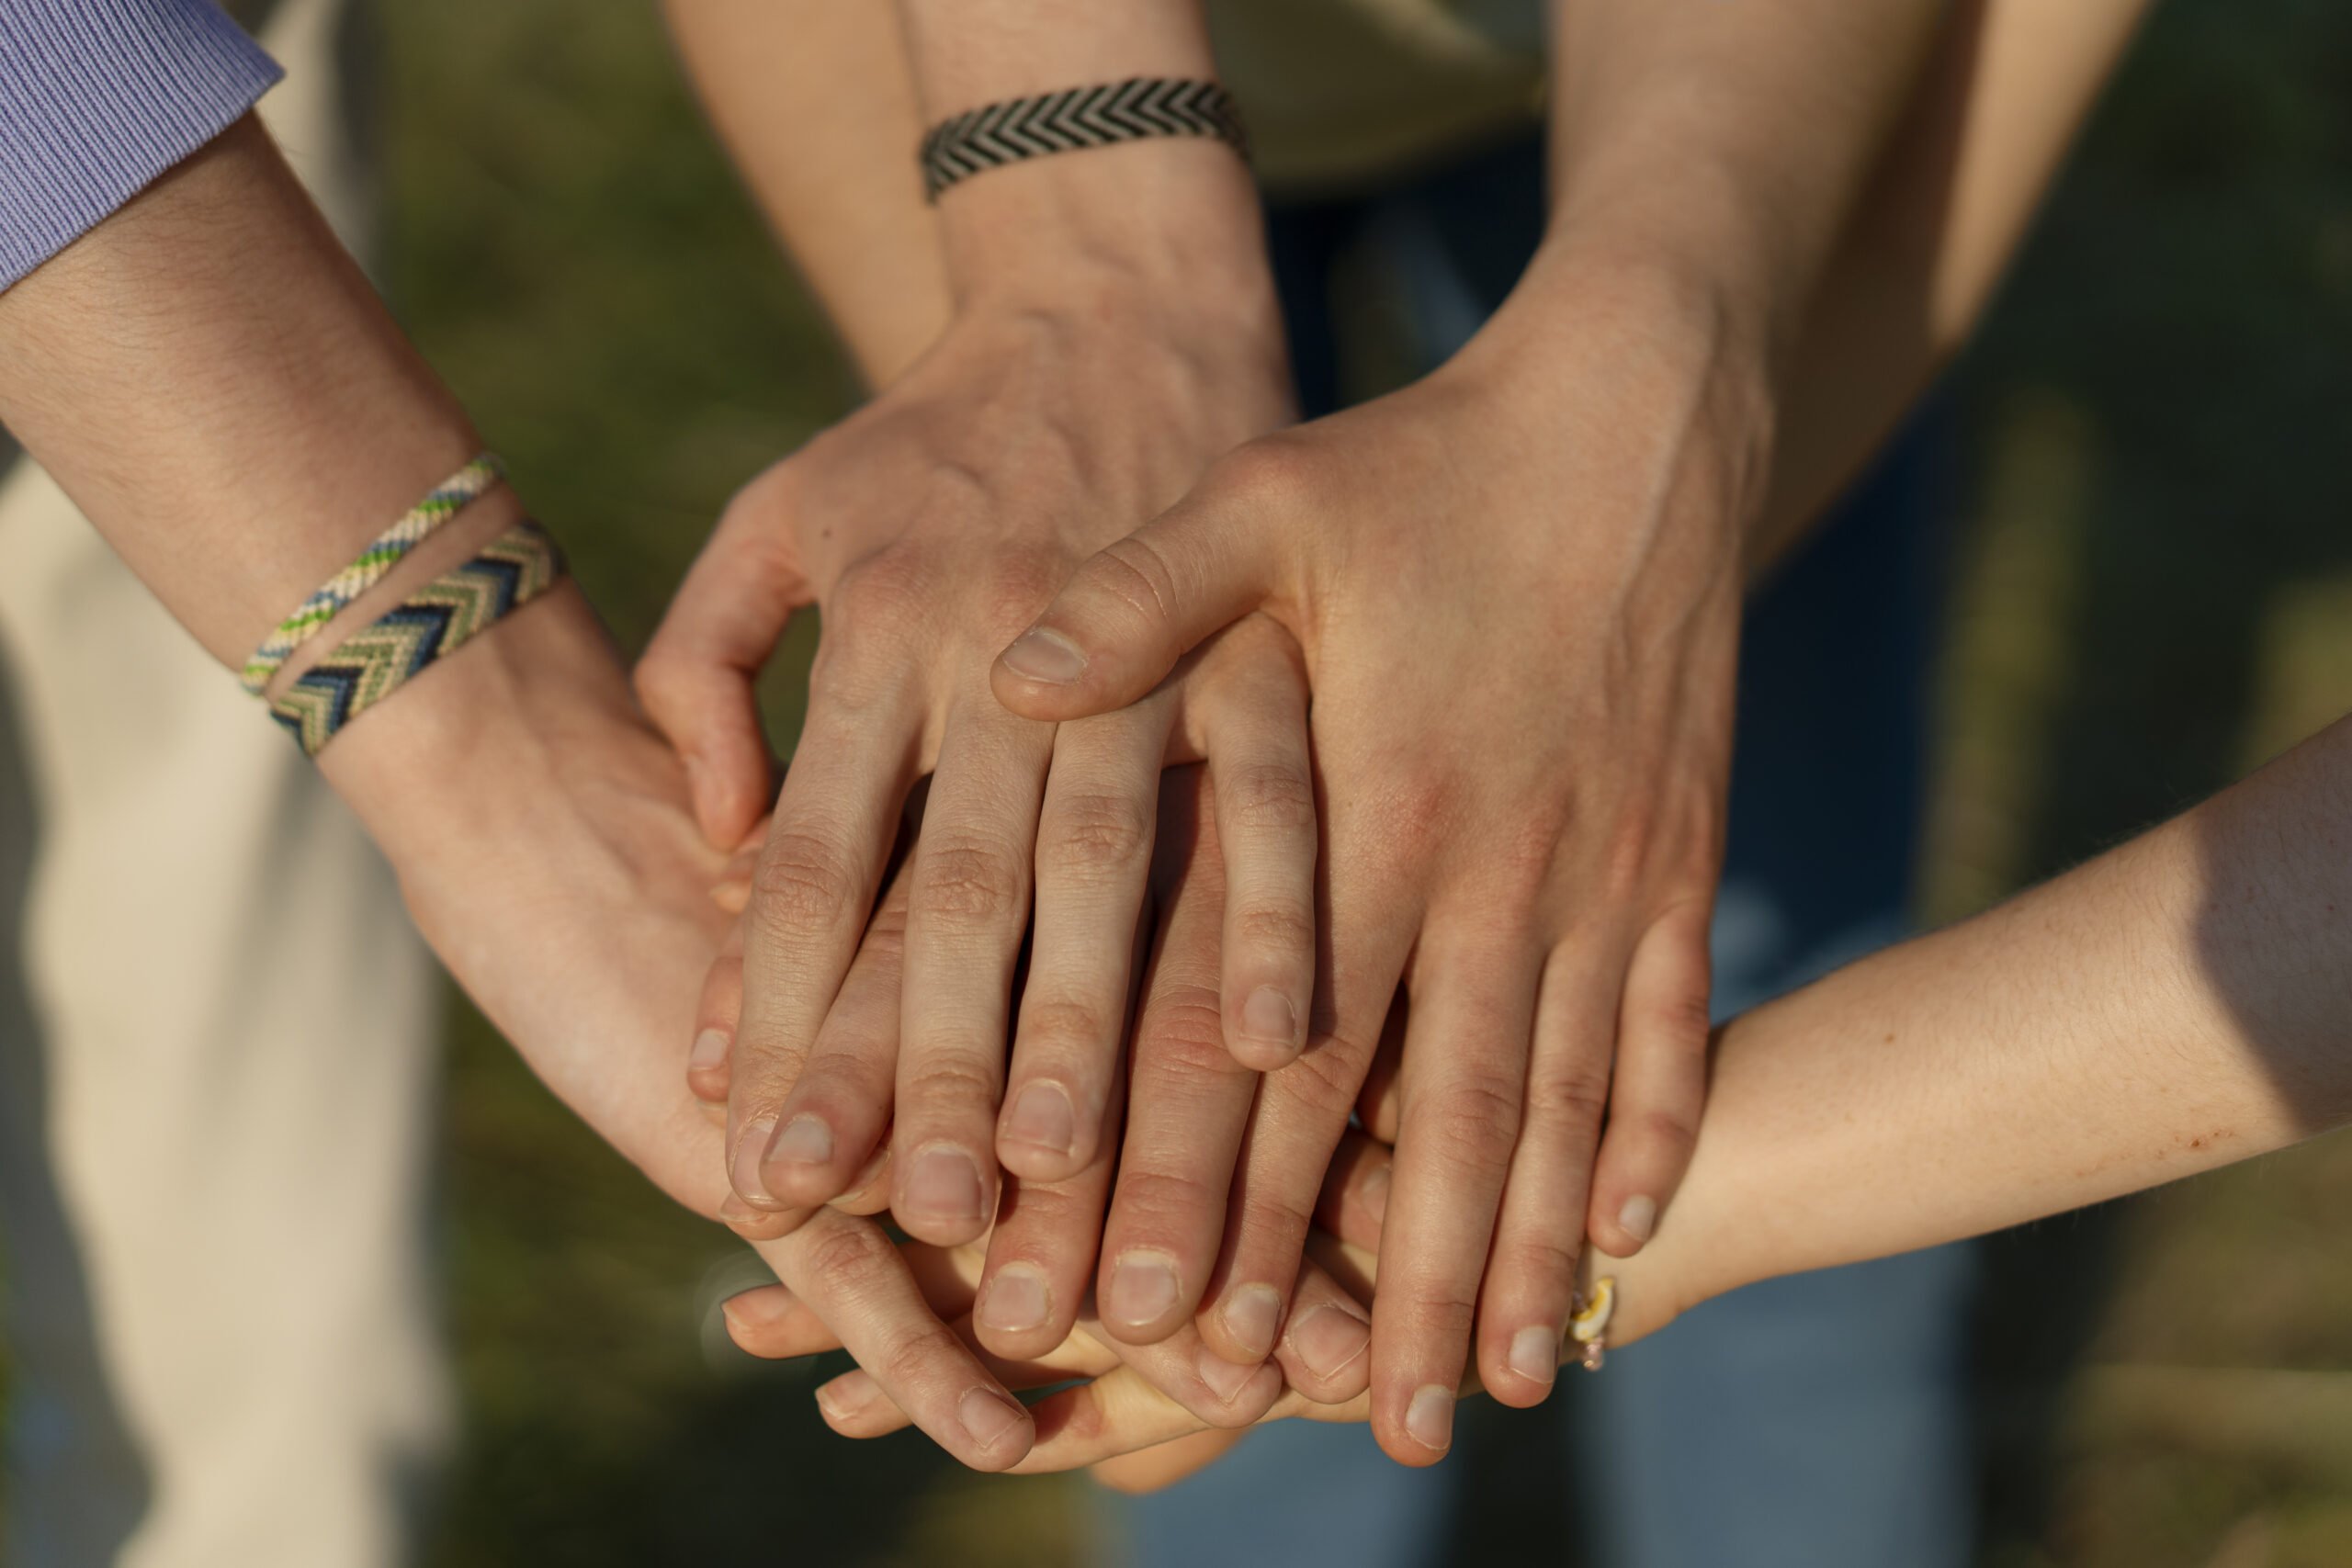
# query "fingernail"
(988, 1417)
(1017, 1300)
(733, 896)
(1536, 1354)
(1637, 1217)
(1226, 1379)
(759, 1306)
(1143, 1287)
(1042, 1116)
(1430, 1417)
(1374, 1195)
(805, 1140)
(848, 1394)
(1041, 654)
(753, 1145)
(1268, 1016)
(710, 1049)
(1253, 1314)
(1328, 1338)
(945, 1185)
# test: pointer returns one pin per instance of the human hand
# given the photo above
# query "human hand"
(1517, 583)
(930, 526)
(544, 843)
(1033, 1286)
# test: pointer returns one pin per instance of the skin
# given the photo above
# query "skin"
(1560, 514)
(210, 376)
(2172, 1007)
(1950, 196)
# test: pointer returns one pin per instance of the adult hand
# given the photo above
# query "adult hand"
(1033, 1285)
(543, 839)
(1517, 584)
(930, 528)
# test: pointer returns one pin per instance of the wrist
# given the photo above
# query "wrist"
(1658, 361)
(489, 726)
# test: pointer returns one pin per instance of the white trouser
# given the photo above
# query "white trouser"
(217, 1065)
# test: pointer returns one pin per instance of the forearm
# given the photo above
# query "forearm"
(210, 378)
(815, 100)
(1723, 144)
(2174, 1005)
(2009, 85)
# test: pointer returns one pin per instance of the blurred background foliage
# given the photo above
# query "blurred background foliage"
(2152, 593)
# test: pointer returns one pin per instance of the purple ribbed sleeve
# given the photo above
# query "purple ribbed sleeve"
(99, 97)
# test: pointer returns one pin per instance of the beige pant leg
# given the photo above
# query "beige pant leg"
(240, 1024)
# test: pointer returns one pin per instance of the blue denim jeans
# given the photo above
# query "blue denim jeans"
(1817, 1421)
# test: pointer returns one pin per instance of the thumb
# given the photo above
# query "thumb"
(1132, 610)
(697, 677)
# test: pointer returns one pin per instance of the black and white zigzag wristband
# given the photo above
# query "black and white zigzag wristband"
(1075, 117)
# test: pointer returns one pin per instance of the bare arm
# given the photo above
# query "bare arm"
(209, 376)
(2008, 85)
(815, 101)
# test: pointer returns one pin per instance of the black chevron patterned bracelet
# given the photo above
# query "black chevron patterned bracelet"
(436, 620)
(1075, 117)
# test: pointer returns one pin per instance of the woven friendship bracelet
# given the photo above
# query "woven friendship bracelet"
(436, 620)
(1075, 117)
(442, 502)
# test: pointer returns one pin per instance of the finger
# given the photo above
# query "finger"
(1132, 611)
(1187, 1109)
(1252, 718)
(969, 907)
(812, 896)
(717, 1011)
(1355, 1191)
(1093, 860)
(851, 1275)
(830, 1124)
(1302, 1109)
(1042, 1252)
(1462, 1086)
(856, 1405)
(1531, 1276)
(1325, 1340)
(772, 1323)
(699, 674)
(1121, 1412)
(1659, 1085)
(1152, 1469)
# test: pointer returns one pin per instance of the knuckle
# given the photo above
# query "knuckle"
(1573, 1098)
(1272, 926)
(1267, 799)
(1659, 1137)
(1095, 831)
(1060, 1023)
(1274, 473)
(803, 886)
(1154, 1198)
(1472, 1121)
(1019, 584)
(947, 1080)
(909, 1355)
(1134, 572)
(1325, 1080)
(847, 1253)
(1528, 1260)
(1184, 1031)
(967, 883)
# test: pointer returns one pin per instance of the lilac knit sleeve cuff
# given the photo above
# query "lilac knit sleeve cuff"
(99, 97)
